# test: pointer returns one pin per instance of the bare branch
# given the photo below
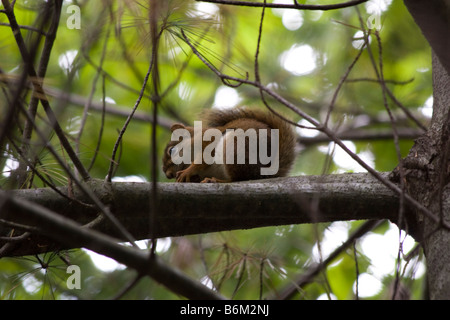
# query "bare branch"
(50, 37)
(332, 135)
(66, 231)
(308, 276)
(364, 134)
(125, 126)
(192, 208)
(111, 109)
(295, 5)
(39, 89)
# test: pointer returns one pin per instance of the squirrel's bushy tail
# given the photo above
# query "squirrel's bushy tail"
(287, 139)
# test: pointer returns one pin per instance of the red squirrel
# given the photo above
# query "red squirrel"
(230, 159)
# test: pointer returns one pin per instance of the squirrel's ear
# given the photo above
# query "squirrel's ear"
(176, 126)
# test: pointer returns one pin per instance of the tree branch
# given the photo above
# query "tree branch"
(307, 277)
(364, 135)
(191, 208)
(327, 131)
(65, 231)
(39, 89)
(295, 5)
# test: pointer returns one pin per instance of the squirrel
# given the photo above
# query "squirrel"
(226, 167)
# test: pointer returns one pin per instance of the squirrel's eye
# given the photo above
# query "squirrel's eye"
(173, 150)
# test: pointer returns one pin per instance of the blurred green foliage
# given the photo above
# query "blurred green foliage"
(247, 264)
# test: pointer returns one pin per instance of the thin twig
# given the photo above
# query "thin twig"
(258, 78)
(46, 181)
(82, 186)
(364, 135)
(154, 11)
(39, 89)
(125, 126)
(332, 135)
(308, 276)
(88, 103)
(378, 76)
(296, 5)
(50, 37)
(128, 287)
(20, 238)
(102, 125)
(396, 82)
(42, 32)
(341, 83)
(400, 166)
(66, 231)
(355, 254)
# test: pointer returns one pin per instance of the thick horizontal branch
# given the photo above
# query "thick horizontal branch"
(190, 208)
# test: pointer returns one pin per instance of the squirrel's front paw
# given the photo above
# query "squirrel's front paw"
(183, 176)
(187, 175)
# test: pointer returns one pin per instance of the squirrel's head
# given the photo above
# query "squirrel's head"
(174, 148)
(170, 169)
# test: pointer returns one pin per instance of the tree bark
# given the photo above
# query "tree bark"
(189, 208)
(428, 163)
(428, 179)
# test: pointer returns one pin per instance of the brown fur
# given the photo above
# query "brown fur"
(244, 119)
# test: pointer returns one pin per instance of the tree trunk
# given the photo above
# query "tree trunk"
(428, 163)
(428, 179)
